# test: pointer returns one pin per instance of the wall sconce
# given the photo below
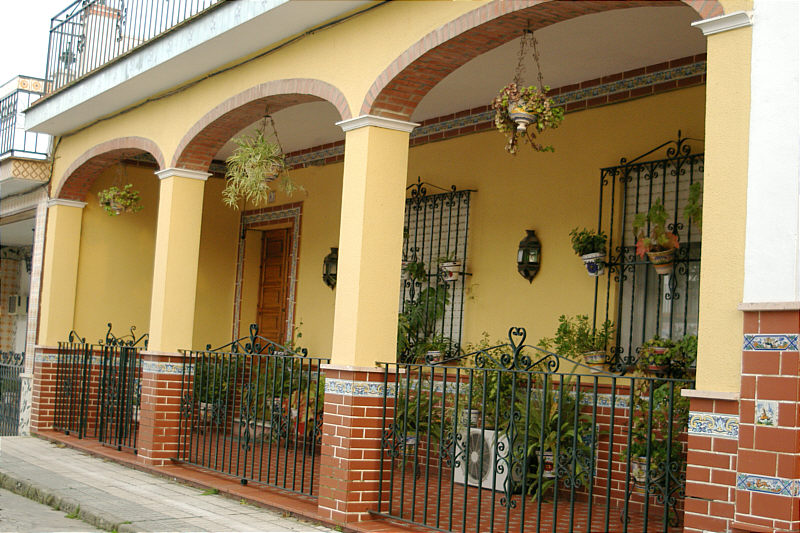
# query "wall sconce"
(329, 266)
(529, 256)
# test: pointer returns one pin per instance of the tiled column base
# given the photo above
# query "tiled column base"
(768, 479)
(25, 402)
(42, 409)
(711, 464)
(350, 467)
(160, 407)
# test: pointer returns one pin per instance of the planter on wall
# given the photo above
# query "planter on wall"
(662, 261)
(594, 263)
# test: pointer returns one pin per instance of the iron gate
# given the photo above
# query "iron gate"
(253, 409)
(11, 366)
(98, 388)
(524, 440)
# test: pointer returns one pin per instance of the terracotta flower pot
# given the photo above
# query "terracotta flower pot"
(662, 261)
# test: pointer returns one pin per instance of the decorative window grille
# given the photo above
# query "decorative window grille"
(435, 231)
(640, 302)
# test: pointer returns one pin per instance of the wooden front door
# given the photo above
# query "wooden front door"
(274, 286)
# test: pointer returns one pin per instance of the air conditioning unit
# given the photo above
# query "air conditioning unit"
(479, 466)
(14, 305)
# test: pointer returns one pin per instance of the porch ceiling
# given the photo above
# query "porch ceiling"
(579, 49)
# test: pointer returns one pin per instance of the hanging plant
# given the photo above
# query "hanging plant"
(117, 200)
(526, 111)
(255, 163)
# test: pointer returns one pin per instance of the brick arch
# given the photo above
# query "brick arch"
(213, 130)
(81, 174)
(399, 89)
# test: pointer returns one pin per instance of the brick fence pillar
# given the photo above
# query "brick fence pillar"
(768, 477)
(711, 463)
(352, 429)
(159, 410)
(42, 409)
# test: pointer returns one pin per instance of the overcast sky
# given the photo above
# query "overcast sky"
(23, 39)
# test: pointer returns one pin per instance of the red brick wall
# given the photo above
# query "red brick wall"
(159, 411)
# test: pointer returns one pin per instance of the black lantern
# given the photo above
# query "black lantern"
(529, 256)
(329, 265)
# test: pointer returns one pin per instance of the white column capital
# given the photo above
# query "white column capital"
(182, 173)
(378, 122)
(65, 202)
(731, 21)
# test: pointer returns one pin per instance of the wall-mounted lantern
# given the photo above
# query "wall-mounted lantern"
(529, 256)
(329, 267)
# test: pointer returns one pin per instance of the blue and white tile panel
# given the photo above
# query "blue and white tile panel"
(153, 367)
(768, 484)
(714, 425)
(776, 342)
(362, 389)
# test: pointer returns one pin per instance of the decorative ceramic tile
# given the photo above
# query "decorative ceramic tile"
(767, 484)
(26, 397)
(770, 343)
(604, 400)
(714, 425)
(766, 413)
(368, 389)
(163, 367)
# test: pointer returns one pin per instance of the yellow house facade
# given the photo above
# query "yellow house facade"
(370, 99)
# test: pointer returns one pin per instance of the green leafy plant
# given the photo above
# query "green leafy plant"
(658, 239)
(693, 211)
(656, 351)
(254, 164)
(117, 200)
(416, 271)
(416, 325)
(576, 336)
(683, 356)
(588, 241)
(531, 100)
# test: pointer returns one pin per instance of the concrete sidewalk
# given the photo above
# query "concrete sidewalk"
(116, 498)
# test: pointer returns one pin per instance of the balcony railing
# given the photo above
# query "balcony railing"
(14, 140)
(91, 33)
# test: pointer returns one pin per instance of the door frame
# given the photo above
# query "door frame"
(287, 215)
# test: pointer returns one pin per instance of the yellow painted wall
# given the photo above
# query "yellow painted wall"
(548, 192)
(216, 269)
(115, 273)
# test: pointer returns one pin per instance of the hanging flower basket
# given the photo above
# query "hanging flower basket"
(525, 112)
(255, 163)
(117, 200)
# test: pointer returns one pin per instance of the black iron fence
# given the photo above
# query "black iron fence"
(253, 409)
(14, 139)
(91, 33)
(11, 366)
(98, 388)
(525, 440)
(120, 389)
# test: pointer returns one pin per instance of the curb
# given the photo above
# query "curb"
(88, 514)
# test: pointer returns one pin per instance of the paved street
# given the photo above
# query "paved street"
(113, 497)
(21, 515)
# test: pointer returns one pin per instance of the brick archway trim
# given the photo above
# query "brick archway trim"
(81, 174)
(213, 130)
(398, 90)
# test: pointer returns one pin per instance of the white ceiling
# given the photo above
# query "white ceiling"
(572, 51)
(17, 233)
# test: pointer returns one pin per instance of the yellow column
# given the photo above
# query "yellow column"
(370, 240)
(60, 270)
(180, 211)
(724, 202)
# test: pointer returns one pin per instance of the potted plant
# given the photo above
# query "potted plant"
(117, 200)
(683, 355)
(591, 246)
(254, 164)
(525, 111)
(655, 355)
(576, 338)
(658, 243)
(450, 267)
